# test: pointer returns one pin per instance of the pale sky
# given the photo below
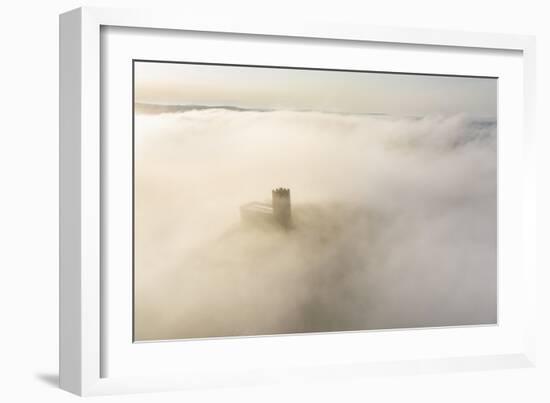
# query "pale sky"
(330, 91)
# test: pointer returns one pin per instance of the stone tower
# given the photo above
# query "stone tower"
(281, 206)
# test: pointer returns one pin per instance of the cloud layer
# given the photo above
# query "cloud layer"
(395, 223)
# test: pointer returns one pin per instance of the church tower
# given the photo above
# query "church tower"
(281, 206)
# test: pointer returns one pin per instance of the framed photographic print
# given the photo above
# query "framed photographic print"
(247, 202)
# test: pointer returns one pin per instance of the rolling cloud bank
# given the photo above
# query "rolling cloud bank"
(394, 222)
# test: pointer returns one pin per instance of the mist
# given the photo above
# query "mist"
(394, 222)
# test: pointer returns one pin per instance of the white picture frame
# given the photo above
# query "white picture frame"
(86, 346)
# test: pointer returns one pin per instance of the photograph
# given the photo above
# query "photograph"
(279, 200)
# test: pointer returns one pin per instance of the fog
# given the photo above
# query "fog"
(394, 223)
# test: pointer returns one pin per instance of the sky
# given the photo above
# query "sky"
(321, 90)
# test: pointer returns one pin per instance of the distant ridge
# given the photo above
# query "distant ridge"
(154, 109)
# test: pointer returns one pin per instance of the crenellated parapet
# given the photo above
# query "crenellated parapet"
(281, 192)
